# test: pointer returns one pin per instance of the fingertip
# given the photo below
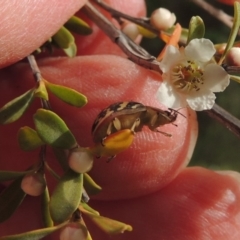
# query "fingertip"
(25, 25)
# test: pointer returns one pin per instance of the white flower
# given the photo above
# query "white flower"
(190, 76)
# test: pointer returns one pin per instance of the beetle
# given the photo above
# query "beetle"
(130, 115)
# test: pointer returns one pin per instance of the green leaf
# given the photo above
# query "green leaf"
(14, 109)
(52, 129)
(71, 51)
(66, 196)
(234, 31)
(78, 26)
(63, 38)
(61, 156)
(84, 207)
(196, 28)
(68, 95)
(108, 225)
(10, 175)
(33, 235)
(47, 220)
(41, 91)
(28, 139)
(10, 199)
(91, 187)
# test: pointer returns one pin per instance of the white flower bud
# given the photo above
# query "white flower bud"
(33, 184)
(73, 231)
(162, 19)
(80, 160)
(130, 29)
(233, 57)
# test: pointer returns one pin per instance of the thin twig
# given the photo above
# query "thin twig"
(45, 104)
(33, 64)
(143, 22)
(136, 53)
(222, 116)
(217, 13)
(142, 57)
(38, 77)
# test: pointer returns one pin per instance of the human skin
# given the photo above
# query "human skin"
(148, 185)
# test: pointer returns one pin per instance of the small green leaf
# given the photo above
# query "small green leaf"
(10, 199)
(14, 109)
(47, 220)
(63, 38)
(71, 51)
(68, 95)
(91, 187)
(78, 26)
(108, 225)
(33, 235)
(234, 31)
(196, 28)
(10, 175)
(66, 196)
(28, 139)
(84, 207)
(53, 130)
(41, 91)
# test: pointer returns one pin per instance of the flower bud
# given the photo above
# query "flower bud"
(130, 29)
(162, 19)
(73, 231)
(80, 160)
(33, 184)
(233, 57)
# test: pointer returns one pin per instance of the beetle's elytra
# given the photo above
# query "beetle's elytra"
(125, 115)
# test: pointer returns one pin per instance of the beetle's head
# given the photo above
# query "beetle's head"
(172, 114)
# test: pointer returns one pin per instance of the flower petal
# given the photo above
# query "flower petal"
(215, 77)
(171, 56)
(169, 97)
(201, 100)
(200, 50)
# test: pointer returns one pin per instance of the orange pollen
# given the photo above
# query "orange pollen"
(187, 76)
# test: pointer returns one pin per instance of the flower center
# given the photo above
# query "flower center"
(187, 76)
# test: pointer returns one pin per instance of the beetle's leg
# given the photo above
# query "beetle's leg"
(111, 158)
(135, 124)
(109, 129)
(164, 133)
(117, 124)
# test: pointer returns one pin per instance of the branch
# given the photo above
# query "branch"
(141, 57)
(136, 53)
(215, 12)
(225, 118)
(143, 22)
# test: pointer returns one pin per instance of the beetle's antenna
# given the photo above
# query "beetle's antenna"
(177, 111)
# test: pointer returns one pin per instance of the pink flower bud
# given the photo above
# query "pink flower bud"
(233, 57)
(33, 184)
(73, 231)
(130, 29)
(80, 160)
